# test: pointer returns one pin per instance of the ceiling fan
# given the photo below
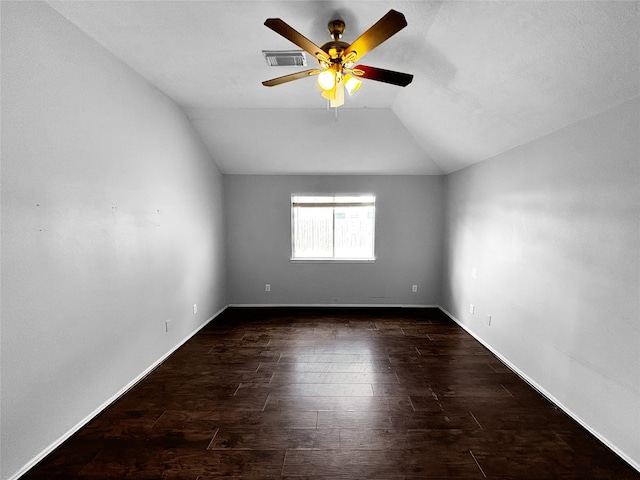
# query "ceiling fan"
(336, 58)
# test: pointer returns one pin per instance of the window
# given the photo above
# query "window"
(333, 227)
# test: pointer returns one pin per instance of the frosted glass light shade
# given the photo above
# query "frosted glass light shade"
(327, 80)
(352, 84)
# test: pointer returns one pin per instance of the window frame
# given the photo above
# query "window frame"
(333, 260)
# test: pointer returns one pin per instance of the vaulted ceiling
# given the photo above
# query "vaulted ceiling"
(488, 76)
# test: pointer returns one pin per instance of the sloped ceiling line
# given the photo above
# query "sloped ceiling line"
(489, 75)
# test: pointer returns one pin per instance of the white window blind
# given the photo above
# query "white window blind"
(338, 227)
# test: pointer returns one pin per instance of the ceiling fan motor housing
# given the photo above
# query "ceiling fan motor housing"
(335, 49)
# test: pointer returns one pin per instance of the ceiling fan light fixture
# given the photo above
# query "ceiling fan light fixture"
(351, 84)
(338, 99)
(327, 80)
(329, 94)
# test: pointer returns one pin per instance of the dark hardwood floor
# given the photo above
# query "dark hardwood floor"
(339, 394)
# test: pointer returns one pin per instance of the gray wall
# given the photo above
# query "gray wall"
(552, 228)
(408, 244)
(90, 268)
(112, 223)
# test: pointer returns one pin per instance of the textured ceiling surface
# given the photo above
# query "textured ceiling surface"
(488, 76)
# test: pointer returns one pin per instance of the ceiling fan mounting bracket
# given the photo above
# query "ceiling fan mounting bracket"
(336, 29)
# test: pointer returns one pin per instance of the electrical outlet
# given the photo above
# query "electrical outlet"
(474, 273)
(267, 287)
(471, 308)
(166, 325)
(414, 288)
(195, 308)
(489, 320)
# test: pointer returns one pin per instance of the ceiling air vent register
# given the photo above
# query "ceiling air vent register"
(285, 58)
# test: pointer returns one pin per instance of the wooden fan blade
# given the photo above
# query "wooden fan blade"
(382, 75)
(288, 32)
(289, 78)
(384, 28)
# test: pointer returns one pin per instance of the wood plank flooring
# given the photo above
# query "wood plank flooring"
(332, 393)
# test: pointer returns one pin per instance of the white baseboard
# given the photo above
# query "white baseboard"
(328, 305)
(546, 394)
(34, 461)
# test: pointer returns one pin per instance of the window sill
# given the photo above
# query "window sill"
(332, 260)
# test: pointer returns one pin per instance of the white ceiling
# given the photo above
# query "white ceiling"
(488, 76)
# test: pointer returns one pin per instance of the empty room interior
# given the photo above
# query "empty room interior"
(172, 305)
